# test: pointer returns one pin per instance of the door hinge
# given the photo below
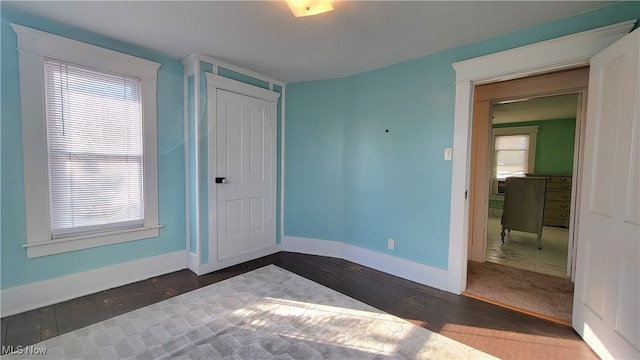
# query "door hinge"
(465, 194)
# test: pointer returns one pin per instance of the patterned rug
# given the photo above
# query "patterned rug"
(267, 313)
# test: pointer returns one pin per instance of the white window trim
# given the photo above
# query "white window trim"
(532, 131)
(33, 47)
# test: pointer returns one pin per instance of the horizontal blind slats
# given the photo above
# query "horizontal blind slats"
(94, 128)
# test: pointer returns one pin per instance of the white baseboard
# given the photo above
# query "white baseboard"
(193, 262)
(407, 269)
(31, 296)
(217, 265)
(43, 293)
(312, 246)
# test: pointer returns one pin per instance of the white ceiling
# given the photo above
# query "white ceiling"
(264, 37)
(544, 108)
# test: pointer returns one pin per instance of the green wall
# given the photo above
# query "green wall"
(554, 147)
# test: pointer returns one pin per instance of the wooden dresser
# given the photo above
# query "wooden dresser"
(557, 204)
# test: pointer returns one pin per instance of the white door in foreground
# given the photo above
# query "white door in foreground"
(243, 174)
(607, 292)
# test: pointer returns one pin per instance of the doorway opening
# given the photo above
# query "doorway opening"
(528, 128)
(533, 138)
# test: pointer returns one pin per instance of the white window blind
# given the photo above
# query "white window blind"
(511, 155)
(95, 148)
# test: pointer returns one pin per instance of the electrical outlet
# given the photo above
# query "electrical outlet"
(391, 244)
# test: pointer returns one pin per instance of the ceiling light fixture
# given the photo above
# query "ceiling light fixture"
(301, 8)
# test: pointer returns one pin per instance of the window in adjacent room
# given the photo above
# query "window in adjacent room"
(514, 153)
(89, 144)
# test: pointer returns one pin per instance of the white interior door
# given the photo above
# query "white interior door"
(607, 292)
(244, 160)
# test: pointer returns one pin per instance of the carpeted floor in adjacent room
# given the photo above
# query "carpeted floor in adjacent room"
(549, 296)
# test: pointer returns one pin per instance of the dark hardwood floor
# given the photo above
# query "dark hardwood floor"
(500, 332)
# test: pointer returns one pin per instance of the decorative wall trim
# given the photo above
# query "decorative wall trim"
(546, 56)
(283, 99)
(560, 53)
(189, 69)
(49, 45)
(218, 63)
(406, 269)
(191, 64)
(193, 262)
(220, 82)
(43, 293)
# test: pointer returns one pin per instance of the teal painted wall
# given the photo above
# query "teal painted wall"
(348, 179)
(242, 77)
(16, 269)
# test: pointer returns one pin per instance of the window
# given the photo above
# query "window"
(514, 154)
(89, 144)
(94, 132)
(511, 155)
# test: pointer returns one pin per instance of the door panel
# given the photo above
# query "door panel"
(243, 144)
(256, 220)
(632, 214)
(256, 147)
(627, 326)
(607, 293)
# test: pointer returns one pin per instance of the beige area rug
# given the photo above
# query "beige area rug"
(539, 294)
(267, 313)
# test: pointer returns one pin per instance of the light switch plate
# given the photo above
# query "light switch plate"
(448, 153)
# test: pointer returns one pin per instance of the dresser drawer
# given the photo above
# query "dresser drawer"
(560, 180)
(556, 222)
(555, 195)
(557, 214)
(557, 205)
(559, 186)
(557, 200)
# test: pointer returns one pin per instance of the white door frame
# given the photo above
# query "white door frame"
(557, 54)
(215, 82)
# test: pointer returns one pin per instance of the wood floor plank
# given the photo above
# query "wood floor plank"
(23, 328)
(63, 318)
(3, 330)
(123, 304)
(498, 331)
(48, 326)
(84, 315)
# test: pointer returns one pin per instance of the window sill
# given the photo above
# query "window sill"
(57, 246)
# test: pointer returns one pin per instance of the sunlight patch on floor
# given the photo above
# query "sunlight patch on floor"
(520, 249)
(365, 331)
